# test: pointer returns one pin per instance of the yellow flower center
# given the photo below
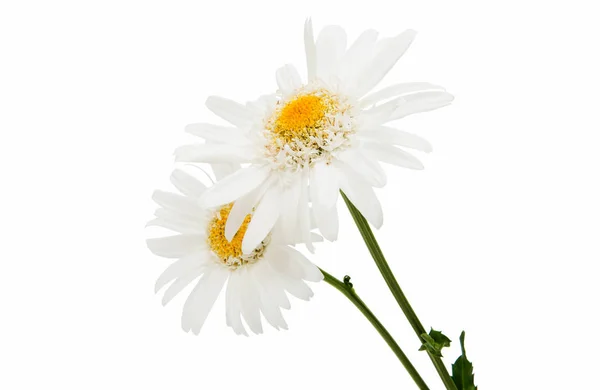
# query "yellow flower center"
(302, 117)
(223, 248)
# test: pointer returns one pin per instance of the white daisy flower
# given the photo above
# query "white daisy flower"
(257, 280)
(324, 135)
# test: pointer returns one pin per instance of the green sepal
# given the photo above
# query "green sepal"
(462, 369)
(434, 342)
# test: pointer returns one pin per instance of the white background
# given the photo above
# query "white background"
(499, 235)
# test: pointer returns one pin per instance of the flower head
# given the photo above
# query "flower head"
(309, 140)
(257, 281)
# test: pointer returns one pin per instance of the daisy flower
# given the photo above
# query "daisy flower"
(257, 281)
(303, 144)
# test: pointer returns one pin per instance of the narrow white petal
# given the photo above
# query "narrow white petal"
(233, 304)
(241, 208)
(327, 221)
(311, 50)
(288, 79)
(173, 219)
(388, 52)
(304, 215)
(270, 281)
(250, 301)
(378, 115)
(233, 112)
(214, 153)
(178, 285)
(324, 184)
(174, 246)
(398, 90)
(293, 285)
(187, 184)
(310, 272)
(183, 227)
(202, 298)
(178, 269)
(392, 155)
(268, 306)
(363, 197)
(224, 169)
(289, 212)
(266, 214)
(181, 204)
(368, 168)
(234, 186)
(421, 102)
(358, 56)
(389, 135)
(331, 45)
(216, 133)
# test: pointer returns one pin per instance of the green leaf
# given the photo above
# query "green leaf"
(462, 369)
(434, 342)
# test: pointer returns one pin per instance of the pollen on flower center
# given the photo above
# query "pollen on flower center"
(301, 116)
(230, 252)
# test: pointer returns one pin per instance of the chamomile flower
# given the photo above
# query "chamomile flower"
(307, 141)
(256, 281)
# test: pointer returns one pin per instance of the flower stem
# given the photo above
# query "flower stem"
(388, 276)
(346, 288)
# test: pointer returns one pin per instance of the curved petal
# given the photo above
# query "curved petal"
(367, 168)
(233, 112)
(294, 286)
(187, 184)
(331, 45)
(216, 133)
(421, 102)
(390, 135)
(324, 187)
(233, 304)
(178, 285)
(214, 153)
(288, 79)
(267, 305)
(241, 208)
(327, 221)
(398, 90)
(311, 50)
(202, 298)
(357, 57)
(363, 197)
(250, 301)
(267, 278)
(234, 186)
(174, 246)
(263, 219)
(392, 155)
(178, 269)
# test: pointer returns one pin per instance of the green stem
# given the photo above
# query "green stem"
(345, 288)
(388, 276)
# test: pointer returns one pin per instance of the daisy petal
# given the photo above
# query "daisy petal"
(231, 111)
(241, 208)
(304, 223)
(187, 184)
(216, 133)
(175, 202)
(266, 214)
(213, 153)
(358, 56)
(398, 90)
(310, 272)
(294, 286)
(250, 301)
(331, 45)
(233, 305)
(422, 102)
(201, 299)
(224, 169)
(393, 155)
(174, 246)
(323, 184)
(363, 197)
(288, 79)
(178, 269)
(388, 52)
(267, 278)
(179, 284)
(234, 186)
(268, 307)
(389, 135)
(311, 50)
(366, 167)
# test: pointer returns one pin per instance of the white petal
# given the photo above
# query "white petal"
(178, 269)
(268, 307)
(388, 52)
(389, 135)
(174, 246)
(187, 184)
(233, 304)
(304, 215)
(241, 208)
(175, 202)
(293, 285)
(376, 116)
(327, 221)
(234, 186)
(289, 211)
(363, 197)
(366, 167)
(269, 280)
(233, 112)
(214, 153)
(309, 271)
(250, 301)
(324, 187)
(392, 155)
(398, 90)
(311, 50)
(179, 226)
(178, 221)
(179, 284)
(358, 56)
(331, 45)
(224, 169)
(266, 214)
(216, 133)
(288, 79)
(421, 102)
(202, 298)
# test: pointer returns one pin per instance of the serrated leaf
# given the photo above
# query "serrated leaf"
(434, 342)
(462, 369)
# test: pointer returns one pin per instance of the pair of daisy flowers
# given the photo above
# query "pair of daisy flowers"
(280, 167)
